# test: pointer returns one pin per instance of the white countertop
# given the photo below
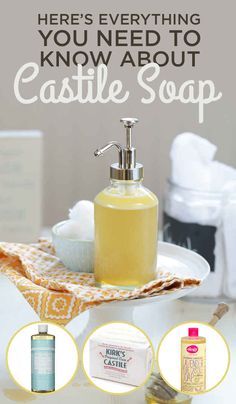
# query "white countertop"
(154, 318)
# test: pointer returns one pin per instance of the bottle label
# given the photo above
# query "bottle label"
(43, 361)
(194, 236)
(193, 368)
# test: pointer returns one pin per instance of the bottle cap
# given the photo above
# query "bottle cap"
(193, 332)
(42, 328)
(127, 168)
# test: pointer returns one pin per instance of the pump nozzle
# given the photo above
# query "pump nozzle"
(127, 168)
(102, 150)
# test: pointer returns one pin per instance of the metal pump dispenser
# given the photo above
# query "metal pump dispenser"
(127, 168)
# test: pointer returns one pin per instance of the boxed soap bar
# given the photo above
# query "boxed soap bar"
(124, 357)
(20, 185)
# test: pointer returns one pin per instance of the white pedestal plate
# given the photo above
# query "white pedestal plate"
(178, 260)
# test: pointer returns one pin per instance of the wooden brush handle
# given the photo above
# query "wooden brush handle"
(220, 311)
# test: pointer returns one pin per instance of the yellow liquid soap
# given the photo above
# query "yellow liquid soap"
(125, 236)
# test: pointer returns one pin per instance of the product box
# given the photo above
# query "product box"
(20, 185)
(124, 358)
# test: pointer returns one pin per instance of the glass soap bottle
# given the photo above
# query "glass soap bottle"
(126, 222)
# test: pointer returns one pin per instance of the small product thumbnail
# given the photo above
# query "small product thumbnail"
(193, 358)
(42, 358)
(118, 357)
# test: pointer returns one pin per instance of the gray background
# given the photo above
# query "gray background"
(73, 131)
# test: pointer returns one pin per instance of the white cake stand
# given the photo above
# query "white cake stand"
(183, 262)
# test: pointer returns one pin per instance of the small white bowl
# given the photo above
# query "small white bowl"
(77, 255)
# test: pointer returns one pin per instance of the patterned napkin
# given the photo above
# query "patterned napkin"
(59, 295)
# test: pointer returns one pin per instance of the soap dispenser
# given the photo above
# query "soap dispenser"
(125, 222)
